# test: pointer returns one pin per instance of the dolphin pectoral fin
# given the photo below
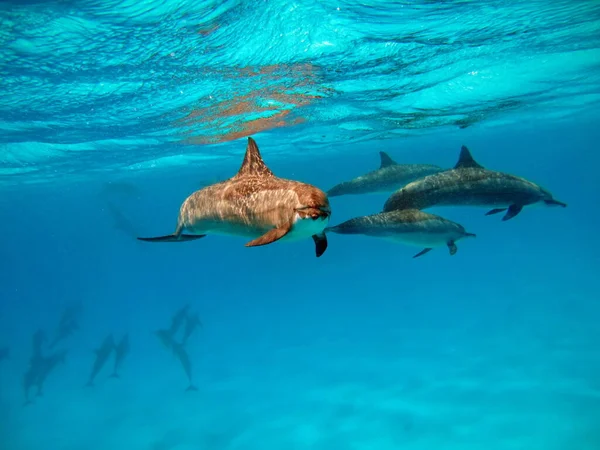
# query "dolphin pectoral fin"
(422, 252)
(320, 243)
(452, 247)
(495, 211)
(173, 238)
(270, 236)
(513, 210)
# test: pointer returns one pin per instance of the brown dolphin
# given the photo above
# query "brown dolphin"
(256, 204)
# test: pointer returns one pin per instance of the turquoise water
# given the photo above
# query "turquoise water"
(112, 113)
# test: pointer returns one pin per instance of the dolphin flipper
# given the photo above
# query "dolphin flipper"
(495, 211)
(271, 236)
(173, 238)
(513, 210)
(422, 252)
(320, 243)
(452, 247)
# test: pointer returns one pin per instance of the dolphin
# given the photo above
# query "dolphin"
(191, 323)
(67, 324)
(184, 358)
(178, 319)
(48, 364)
(387, 178)
(256, 204)
(4, 353)
(469, 183)
(165, 337)
(102, 355)
(121, 350)
(407, 226)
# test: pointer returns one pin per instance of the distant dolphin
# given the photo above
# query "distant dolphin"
(67, 324)
(389, 177)
(191, 323)
(408, 226)
(184, 358)
(469, 183)
(48, 365)
(39, 337)
(102, 355)
(4, 353)
(178, 319)
(121, 350)
(165, 337)
(256, 204)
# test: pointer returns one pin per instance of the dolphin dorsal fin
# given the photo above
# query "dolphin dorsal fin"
(386, 160)
(465, 160)
(253, 163)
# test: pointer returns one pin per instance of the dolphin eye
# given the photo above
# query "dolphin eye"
(315, 216)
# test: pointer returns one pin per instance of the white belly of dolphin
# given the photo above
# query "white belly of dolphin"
(422, 239)
(304, 228)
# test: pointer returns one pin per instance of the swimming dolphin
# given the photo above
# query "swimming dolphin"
(389, 177)
(407, 226)
(178, 319)
(165, 337)
(184, 358)
(121, 350)
(48, 364)
(191, 323)
(4, 353)
(469, 183)
(102, 355)
(67, 324)
(256, 204)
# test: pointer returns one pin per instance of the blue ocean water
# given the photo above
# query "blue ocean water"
(113, 112)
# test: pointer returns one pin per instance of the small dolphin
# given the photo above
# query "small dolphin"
(256, 204)
(469, 183)
(47, 366)
(121, 350)
(39, 337)
(4, 353)
(102, 355)
(407, 226)
(184, 358)
(389, 177)
(67, 324)
(191, 323)
(166, 338)
(178, 318)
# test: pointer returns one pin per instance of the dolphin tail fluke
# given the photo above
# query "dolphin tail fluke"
(553, 202)
(513, 210)
(173, 238)
(422, 252)
(89, 384)
(190, 388)
(495, 211)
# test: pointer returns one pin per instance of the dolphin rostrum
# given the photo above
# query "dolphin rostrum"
(469, 183)
(256, 204)
(102, 355)
(407, 226)
(387, 178)
(121, 350)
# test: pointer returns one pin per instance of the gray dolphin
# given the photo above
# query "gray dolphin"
(184, 359)
(407, 226)
(469, 183)
(102, 355)
(389, 177)
(191, 323)
(121, 350)
(48, 364)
